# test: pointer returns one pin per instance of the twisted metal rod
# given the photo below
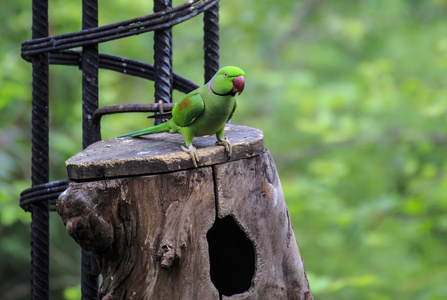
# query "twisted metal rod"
(114, 25)
(123, 65)
(41, 192)
(42, 50)
(157, 21)
(89, 66)
(211, 41)
(90, 130)
(40, 236)
(162, 59)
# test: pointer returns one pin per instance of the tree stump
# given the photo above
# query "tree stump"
(162, 229)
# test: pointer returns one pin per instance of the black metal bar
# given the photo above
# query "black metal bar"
(162, 59)
(164, 20)
(90, 130)
(211, 41)
(43, 50)
(137, 22)
(40, 235)
(41, 192)
(89, 66)
(122, 65)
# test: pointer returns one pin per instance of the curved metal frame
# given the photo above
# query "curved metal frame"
(44, 50)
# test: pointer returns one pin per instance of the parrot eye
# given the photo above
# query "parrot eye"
(225, 75)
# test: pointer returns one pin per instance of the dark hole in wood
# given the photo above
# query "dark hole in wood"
(232, 257)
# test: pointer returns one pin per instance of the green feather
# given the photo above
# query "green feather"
(204, 111)
(155, 129)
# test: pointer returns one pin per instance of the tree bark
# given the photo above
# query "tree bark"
(221, 231)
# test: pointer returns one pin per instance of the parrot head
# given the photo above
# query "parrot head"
(228, 81)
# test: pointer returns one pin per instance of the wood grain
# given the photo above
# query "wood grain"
(161, 229)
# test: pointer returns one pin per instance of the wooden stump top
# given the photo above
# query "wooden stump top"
(159, 153)
(161, 229)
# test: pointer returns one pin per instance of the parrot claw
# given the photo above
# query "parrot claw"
(228, 147)
(191, 150)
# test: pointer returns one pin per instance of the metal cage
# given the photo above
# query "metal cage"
(43, 50)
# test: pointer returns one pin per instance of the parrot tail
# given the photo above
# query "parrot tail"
(155, 129)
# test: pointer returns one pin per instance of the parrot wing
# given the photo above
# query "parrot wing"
(187, 110)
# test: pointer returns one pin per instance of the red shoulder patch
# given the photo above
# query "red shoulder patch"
(185, 103)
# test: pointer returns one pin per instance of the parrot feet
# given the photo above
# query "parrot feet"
(191, 150)
(226, 143)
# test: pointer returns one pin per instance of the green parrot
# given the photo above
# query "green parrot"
(204, 111)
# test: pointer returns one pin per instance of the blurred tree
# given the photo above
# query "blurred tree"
(351, 96)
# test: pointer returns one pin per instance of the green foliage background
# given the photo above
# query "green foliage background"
(351, 97)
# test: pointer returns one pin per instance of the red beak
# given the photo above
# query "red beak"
(238, 84)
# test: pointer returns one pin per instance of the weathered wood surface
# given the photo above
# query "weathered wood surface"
(148, 233)
(221, 231)
(159, 153)
(259, 207)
